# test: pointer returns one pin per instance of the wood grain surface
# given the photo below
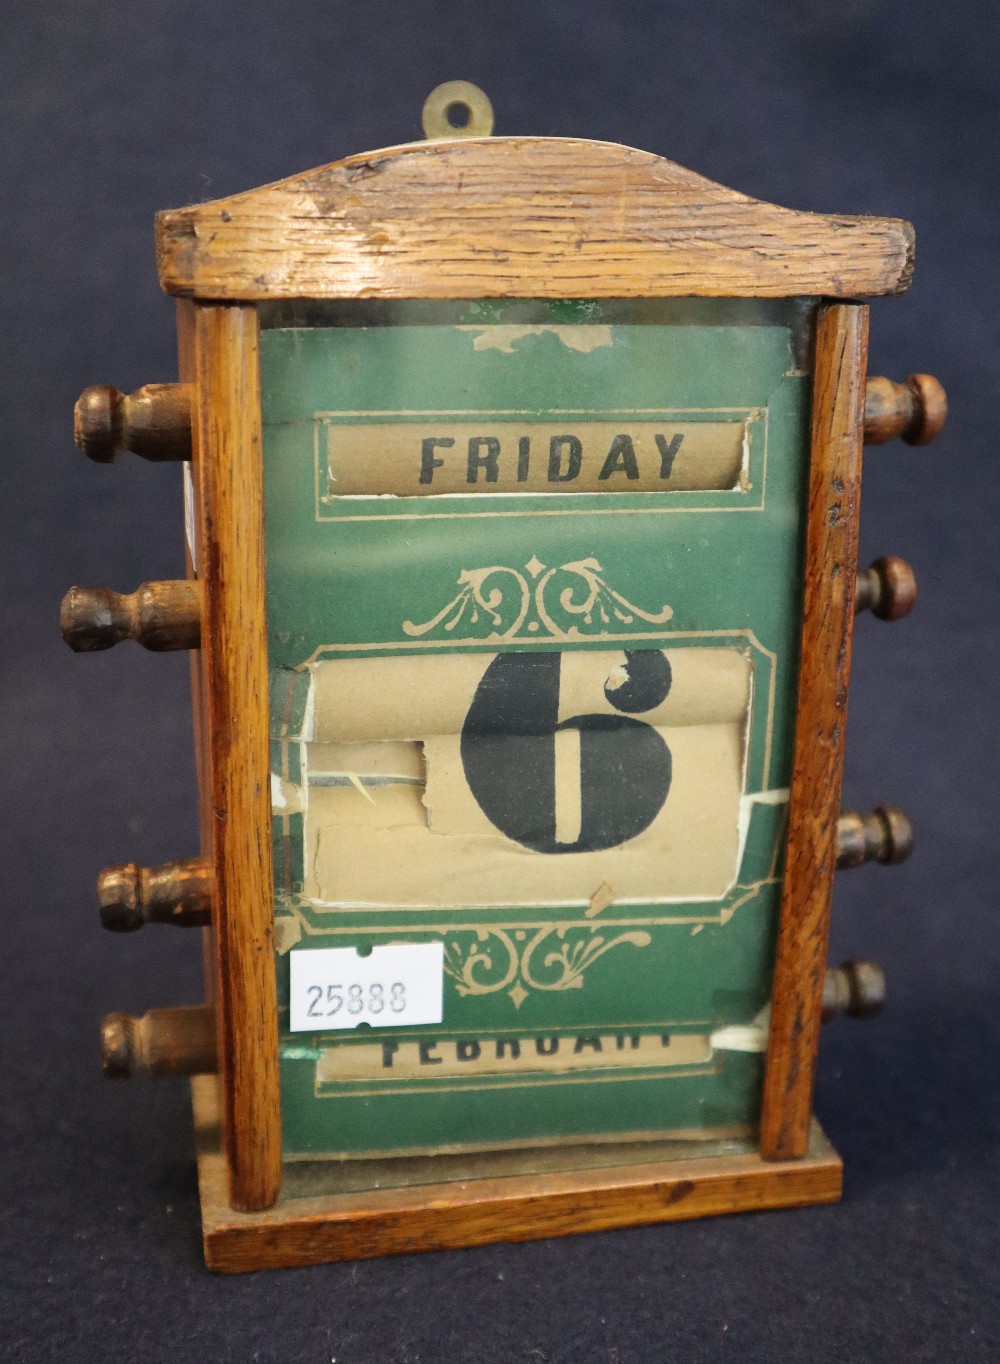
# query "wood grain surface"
(443, 1216)
(177, 1041)
(830, 574)
(186, 367)
(915, 411)
(502, 218)
(529, 217)
(231, 689)
(154, 421)
(178, 893)
(161, 616)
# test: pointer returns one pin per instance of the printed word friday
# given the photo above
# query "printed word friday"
(565, 455)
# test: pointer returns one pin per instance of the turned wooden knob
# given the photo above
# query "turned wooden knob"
(154, 422)
(159, 616)
(881, 835)
(176, 893)
(162, 1042)
(887, 588)
(856, 989)
(916, 410)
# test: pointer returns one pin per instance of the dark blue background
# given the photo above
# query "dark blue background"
(112, 111)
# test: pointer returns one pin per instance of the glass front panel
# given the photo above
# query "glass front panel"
(534, 586)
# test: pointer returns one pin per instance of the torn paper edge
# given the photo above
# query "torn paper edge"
(746, 1037)
(504, 336)
(189, 533)
(778, 796)
(287, 932)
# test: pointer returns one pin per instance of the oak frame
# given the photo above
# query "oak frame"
(550, 218)
(831, 558)
(219, 358)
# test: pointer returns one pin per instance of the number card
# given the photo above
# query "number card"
(394, 986)
(485, 758)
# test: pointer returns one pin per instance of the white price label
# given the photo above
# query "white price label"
(395, 986)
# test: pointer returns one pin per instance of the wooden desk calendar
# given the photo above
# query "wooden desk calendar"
(522, 483)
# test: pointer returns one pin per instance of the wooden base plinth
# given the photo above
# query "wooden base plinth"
(304, 1228)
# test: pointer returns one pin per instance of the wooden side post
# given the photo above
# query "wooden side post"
(219, 355)
(838, 408)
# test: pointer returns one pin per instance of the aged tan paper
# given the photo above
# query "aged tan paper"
(384, 847)
(470, 1058)
(371, 700)
(396, 824)
(434, 455)
(373, 763)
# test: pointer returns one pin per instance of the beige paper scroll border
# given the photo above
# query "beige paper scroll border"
(667, 640)
(758, 781)
(541, 504)
(749, 1037)
(363, 1063)
(344, 837)
(388, 459)
(536, 1080)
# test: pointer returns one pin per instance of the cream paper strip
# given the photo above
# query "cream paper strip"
(375, 764)
(372, 700)
(473, 1058)
(424, 458)
(403, 846)
(395, 823)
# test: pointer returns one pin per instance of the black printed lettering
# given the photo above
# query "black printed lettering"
(479, 461)
(668, 452)
(427, 461)
(574, 450)
(621, 459)
(523, 455)
(508, 752)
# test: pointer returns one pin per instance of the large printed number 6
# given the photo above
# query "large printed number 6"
(509, 752)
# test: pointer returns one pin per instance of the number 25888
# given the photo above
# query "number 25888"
(374, 998)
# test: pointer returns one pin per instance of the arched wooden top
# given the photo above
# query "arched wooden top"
(519, 217)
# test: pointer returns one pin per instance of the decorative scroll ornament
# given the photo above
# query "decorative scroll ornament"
(500, 604)
(550, 959)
